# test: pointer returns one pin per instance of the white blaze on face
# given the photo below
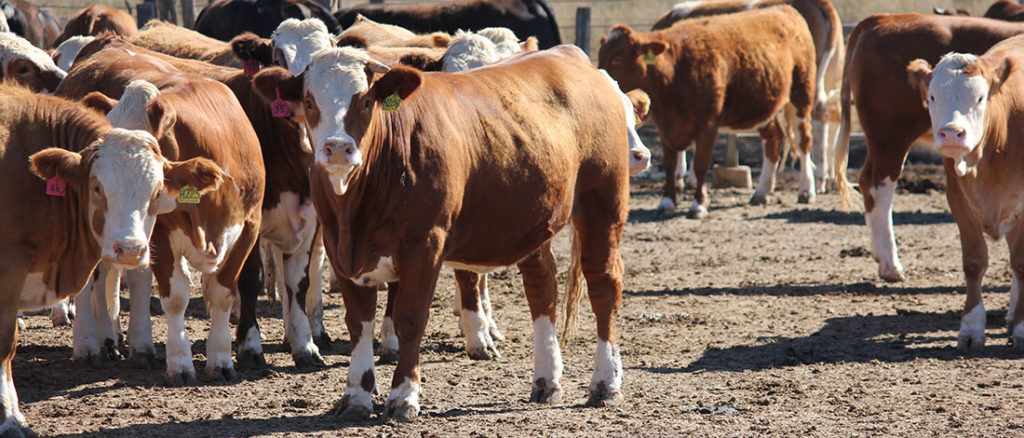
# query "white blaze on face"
(298, 40)
(64, 55)
(468, 50)
(13, 47)
(639, 154)
(957, 103)
(333, 77)
(126, 177)
(130, 112)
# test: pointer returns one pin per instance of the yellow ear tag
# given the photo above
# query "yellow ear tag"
(392, 102)
(649, 57)
(188, 195)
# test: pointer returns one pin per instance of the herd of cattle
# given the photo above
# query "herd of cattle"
(394, 140)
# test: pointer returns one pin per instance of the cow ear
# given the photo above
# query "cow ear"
(352, 41)
(51, 162)
(996, 71)
(441, 40)
(250, 46)
(401, 80)
(641, 102)
(655, 47)
(277, 82)
(161, 118)
(530, 45)
(603, 39)
(420, 61)
(99, 102)
(919, 75)
(201, 173)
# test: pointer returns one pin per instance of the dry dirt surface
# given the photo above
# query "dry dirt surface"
(755, 321)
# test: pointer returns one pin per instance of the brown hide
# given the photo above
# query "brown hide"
(177, 41)
(97, 19)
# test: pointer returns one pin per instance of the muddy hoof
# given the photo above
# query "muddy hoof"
(966, 343)
(308, 360)
(488, 353)
(387, 356)
(181, 379)
(546, 395)
(1018, 344)
(323, 342)
(698, 212)
(600, 399)
(804, 198)
(143, 360)
(110, 350)
(893, 277)
(252, 360)
(758, 200)
(91, 360)
(18, 431)
(346, 412)
(60, 319)
(221, 374)
(495, 334)
(403, 413)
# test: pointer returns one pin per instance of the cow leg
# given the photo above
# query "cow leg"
(12, 422)
(249, 348)
(1015, 311)
(684, 180)
(180, 369)
(141, 353)
(388, 349)
(540, 283)
(882, 168)
(360, 308)
(62, 313)
(106, 305)
(84, 337)
(472, 319)
(701, 165)
(299, 335)
(668, 199)
(219, 299)
(485, 302)
(314, 283)
(974, 250)
(771, 145)
(807, 194)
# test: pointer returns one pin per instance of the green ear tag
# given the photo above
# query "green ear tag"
(188, 195)
(392, 102)
(649, 57)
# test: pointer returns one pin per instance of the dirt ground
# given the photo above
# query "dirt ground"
(755, 321)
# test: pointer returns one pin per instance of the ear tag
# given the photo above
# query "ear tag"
(649, 57)
(56, 186)
(639, 120)
(280, 108)
(392, 102)
(188, 195)
(251, 67)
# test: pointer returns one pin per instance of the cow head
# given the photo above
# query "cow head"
(627, 55)
(28, 65)
(64, 55)
(957, 94)
(249, 46)
(294, 42)
(336, 102)
(126, 183)
(469, 50)
(950, 11)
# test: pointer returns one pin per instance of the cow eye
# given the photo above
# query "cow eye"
(932, 98)
(617, 60)
(309, 104)
(366, 105)
(979, 98)
(23, 70)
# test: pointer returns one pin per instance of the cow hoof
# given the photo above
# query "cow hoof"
(21, 324)
(18, 431)
(323, 342)
(91, 360)
(252, 360)
(349, 412)
(601, 399)
(221, 374)
(403, 414)
(110, 350)
(308, 360)
(966, 343)
(143, 360)
(758, 199)
(60, 319)
(495, 334)
(484, 353)
(387, 355)
(697, 212)
(181, 379)
(546, 395)
(890, 274)
(665, 208)
(804, 198)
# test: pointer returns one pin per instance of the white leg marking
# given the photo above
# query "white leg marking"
(406, 394)
(806, 178)
(179, 349)
(820, 153)
(300, 337)
(140, 323)
(218, 343)
(766, 181)
(547, 357)
(883, 238)
(666, 204)
(315, 292)
(106, 304)
(360, 364)
(474, 328)
(1018, 336)
(457, 303)
(388, 338)
(13, 418)
(972, 327)
(485, 302)
(607, 368)
(60, 313)
(1014, 298)
(698, 210)
(84, 340)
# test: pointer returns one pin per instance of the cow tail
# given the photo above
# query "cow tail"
(551, 21)
(573, 289)
(843, 139)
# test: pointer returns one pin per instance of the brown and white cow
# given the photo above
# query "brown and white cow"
(890, 110)
(976, 104)
(92, 193)
(27, 65)
(191, 116)
(405, 183)
(387, 35)
(168, 38)
(37, 25)
(97, 19)
(827, 31)
(733, 71)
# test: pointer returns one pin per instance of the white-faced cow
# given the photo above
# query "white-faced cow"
(27, 65)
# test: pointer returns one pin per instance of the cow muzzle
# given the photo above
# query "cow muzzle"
(130, 252)
(342, 152)
(639, 160)
(951, 141)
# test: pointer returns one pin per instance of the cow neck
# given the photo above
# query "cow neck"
(75, 249)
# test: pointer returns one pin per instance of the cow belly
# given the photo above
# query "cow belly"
(35, 294)
(287, 223)
(206, 260)
(479, 269)
(384, 273)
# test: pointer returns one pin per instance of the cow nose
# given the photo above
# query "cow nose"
(129, 251)
(640, 155)
(342, 151)
(950, 132)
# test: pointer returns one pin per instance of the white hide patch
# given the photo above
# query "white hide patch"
(64, 55)
(9, 401)
(406, 394)
(388, 338)
(479, 269)
(1014, 299)
(218, 342)
(468, 50)
(207, 260)
(957, 104)
(35, 294)
(179, 349)
(384, 273)
(666, 204)
(130, 112)
(547, 357)
(474, 328)
(361, 362)
(684, 9)
(972, 326)
(639, 154)
(607, 367)
(883, 238)
(298, 40)
(140, 324)
(13, 47)
(505, 41)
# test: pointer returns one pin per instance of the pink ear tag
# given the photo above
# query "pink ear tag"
(56, 186)
(251, 67)
(280, 108)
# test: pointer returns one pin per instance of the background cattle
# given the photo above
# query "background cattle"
(97, 19)
(23, 63)
(37, 25)
(1006, 10)
(225, 19)
(168, 38)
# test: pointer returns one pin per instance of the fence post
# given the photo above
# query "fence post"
(188, 13)
(583, 29)
(144, 12)
(165, 11)
(377, 1)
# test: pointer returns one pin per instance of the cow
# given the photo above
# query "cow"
(733, 71)
(975, 110)
(168, 38)
(86, 193)
(27, 65)
(1005, 10)
(393, 211)
(890, 110)
(525, 17)
(95, 20)
(950, 11)
(35, 24)
(191, 116)
(226, 19)
(387, 35)
(289, 220)
(66, 53)
(827, 30)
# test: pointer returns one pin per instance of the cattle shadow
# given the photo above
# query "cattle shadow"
(834, 217)
(862, 288)
(305, 424)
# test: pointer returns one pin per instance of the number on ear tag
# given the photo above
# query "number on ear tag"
(392, 102)
(639, 120)
(188, 195)
(279, 107)
(56, 186)
(649, 57)
(251, 67)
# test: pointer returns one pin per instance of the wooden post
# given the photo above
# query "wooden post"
(377, 1)
(583, 29)
(144, 12)
(165, 11)
(732, 154)
(188, 13)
